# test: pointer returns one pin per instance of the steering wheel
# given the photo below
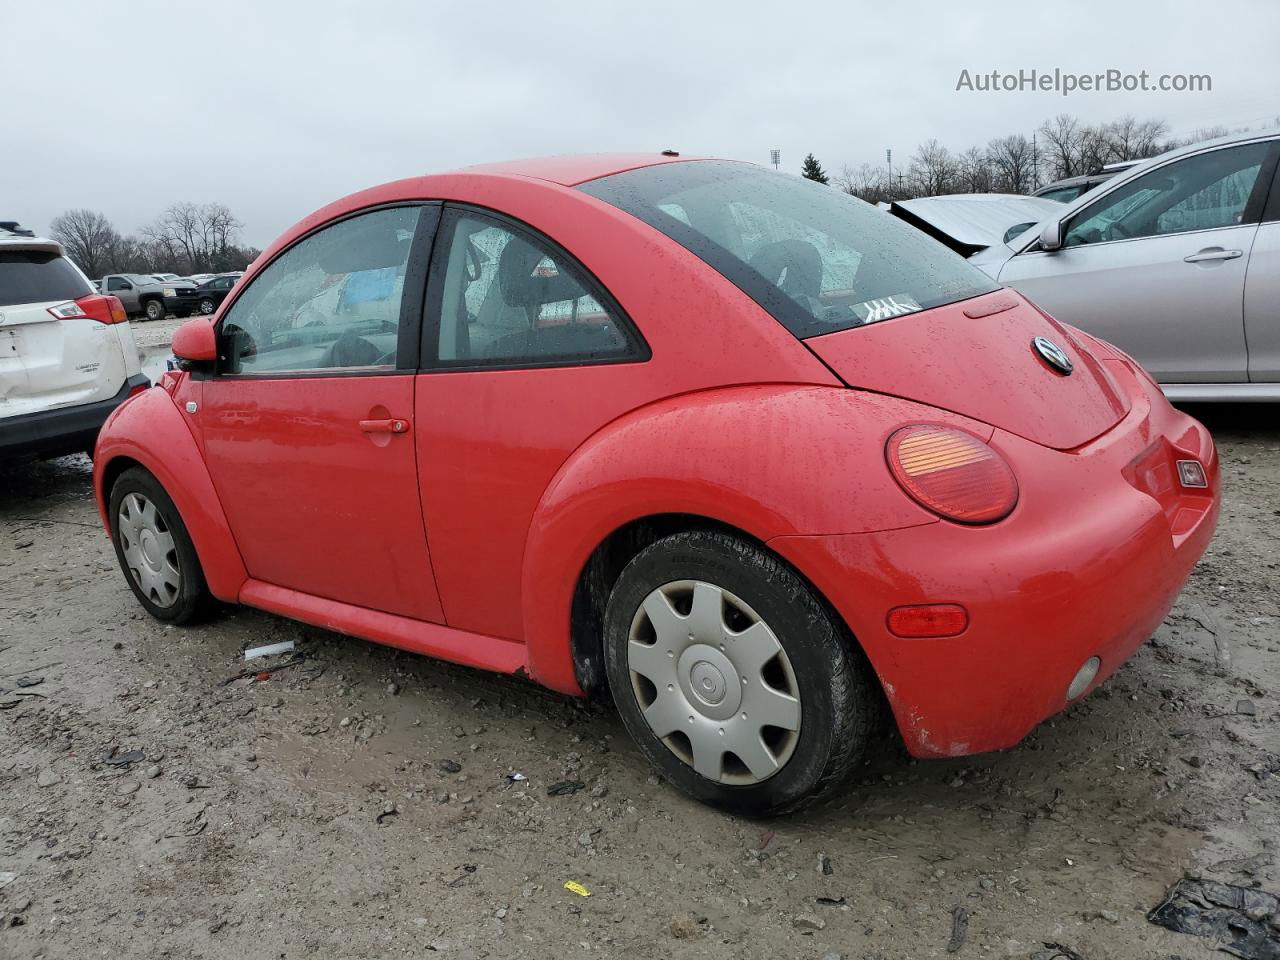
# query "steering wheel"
(350, 350)
(1118, 231)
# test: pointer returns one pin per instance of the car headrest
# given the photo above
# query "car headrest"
(799, 260)
(521, 285)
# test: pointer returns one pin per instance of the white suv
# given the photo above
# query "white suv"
(67, 357)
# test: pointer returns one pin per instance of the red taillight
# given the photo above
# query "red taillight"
(103, 308)
(929, 620)
(952, 472)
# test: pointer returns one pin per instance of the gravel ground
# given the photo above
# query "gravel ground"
(363, 802)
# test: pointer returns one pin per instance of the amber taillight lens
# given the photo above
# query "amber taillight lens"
(952, 473)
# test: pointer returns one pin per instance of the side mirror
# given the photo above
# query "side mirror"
(1051, 236)
(195, 344)
(126, 285)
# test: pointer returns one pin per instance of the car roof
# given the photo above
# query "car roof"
(570, 170)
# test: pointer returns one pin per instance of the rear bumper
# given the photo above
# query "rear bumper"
(51, 433)
(1088, 565)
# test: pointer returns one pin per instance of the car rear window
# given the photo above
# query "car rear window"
(814, 257)
(33, 276)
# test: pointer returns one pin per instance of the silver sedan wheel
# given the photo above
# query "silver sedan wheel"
(713, 682)
(149, 550)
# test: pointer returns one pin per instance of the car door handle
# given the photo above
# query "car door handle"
(385, 426)
(1213, 253)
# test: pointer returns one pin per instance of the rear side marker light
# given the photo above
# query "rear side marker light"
(1191, 474)
(1084, 676)
(929, 620)
(952, 473)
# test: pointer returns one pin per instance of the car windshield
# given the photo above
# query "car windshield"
(814, 257)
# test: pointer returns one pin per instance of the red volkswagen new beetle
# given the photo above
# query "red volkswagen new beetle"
(737, 448)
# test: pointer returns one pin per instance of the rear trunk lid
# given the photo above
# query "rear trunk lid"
(48, 362)
(979, 358)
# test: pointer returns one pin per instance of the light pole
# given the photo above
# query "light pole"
(775, 157)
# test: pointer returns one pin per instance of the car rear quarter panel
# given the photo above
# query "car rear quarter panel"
(151, 431)
(771, 460)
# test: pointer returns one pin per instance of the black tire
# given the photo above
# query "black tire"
(154, 309)
(838, 702)
(192, 596)
(207, 306)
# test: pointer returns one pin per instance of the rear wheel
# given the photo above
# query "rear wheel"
(206, 306)
(154, 550)
(733, 677)
(154, 309)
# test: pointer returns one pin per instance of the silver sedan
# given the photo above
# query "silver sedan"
(1176, 261)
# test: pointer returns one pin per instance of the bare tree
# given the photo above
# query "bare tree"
(1132, 139)
(973, 171)
(199, 238)
(1060, 148)
(866, 182)
(88, 238)
(932, 170)
(1013, 160)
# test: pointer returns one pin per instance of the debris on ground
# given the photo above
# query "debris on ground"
(566, 788)
(1241, 921)
(29, 681)
(959, 929)
(574, 887)
(824, 865)
(270, 650)
(1056, 951)
(807, 921)
(114, 759)
(685, 926)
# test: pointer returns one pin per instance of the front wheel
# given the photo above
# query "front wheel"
(734, 679)
(206, 306)
(154, 310)
(154, 550)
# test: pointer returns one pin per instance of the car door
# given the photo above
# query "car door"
(524, 355)
(122, 288)
(1157, 265)
(308, 422)
(1262, 294)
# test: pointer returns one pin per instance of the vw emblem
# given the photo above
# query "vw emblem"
(1053, 355)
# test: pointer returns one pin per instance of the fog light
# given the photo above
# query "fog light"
(1084, 676)
(1191, 473)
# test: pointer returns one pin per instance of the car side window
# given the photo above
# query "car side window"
(116, 283)
(329, 302)
(507, 298)
(1202, 192)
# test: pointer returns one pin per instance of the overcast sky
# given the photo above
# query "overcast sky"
(277, 108)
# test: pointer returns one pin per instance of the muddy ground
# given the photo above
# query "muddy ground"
(362, 802)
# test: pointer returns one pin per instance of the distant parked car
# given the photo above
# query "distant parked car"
(67, 356)
(142, 294)
(1177, 261)
(971, 222)
(1064, 191)
(209, 294)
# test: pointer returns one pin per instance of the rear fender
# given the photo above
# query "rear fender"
(171, 455)
(771, 460)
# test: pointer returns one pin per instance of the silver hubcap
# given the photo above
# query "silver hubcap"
(713, 682)
(149, 550)
(206, 306)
